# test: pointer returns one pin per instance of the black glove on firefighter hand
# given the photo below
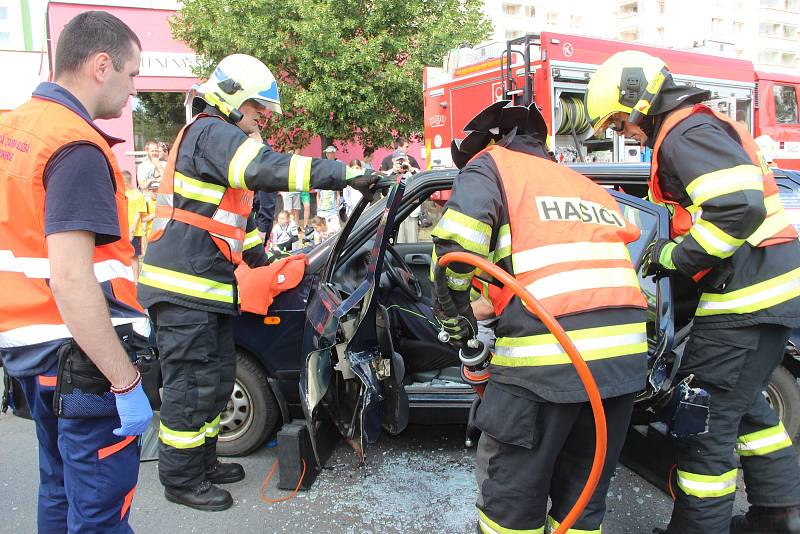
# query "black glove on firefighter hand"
(458, 321)
(657, 260)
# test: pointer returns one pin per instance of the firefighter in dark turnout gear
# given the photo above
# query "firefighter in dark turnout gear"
(564, 238)
(731, 237)
(202, 229)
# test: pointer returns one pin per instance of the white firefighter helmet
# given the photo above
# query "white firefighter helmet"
(238, 78)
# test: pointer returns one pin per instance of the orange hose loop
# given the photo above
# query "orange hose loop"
(580, 366)
(269, 477)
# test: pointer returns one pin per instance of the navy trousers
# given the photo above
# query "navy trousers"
(87, 475)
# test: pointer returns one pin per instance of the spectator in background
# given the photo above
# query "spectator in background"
(400, 143)
(321, 232)
(151, 168)
(284, 233)
(409, 228)
(163, 152)
(369, 153)
(351, 196)
(265, 211)
(330, 152)
(137, 210)
(150, 200)
(292, 203)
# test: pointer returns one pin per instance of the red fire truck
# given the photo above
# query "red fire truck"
(553, 70)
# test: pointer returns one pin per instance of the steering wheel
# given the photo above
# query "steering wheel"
(400, 274)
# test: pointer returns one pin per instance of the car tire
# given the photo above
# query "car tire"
(252, 412)
(783, 394)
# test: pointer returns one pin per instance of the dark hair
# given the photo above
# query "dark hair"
(400, 141)
(90, 33)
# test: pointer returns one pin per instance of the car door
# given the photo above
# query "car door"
(653, 223)
(347, 373)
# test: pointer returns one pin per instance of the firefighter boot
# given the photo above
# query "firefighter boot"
(763, 520)
(225, 473)
(205, 496)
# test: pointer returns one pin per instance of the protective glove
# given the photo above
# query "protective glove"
(458, 321)
(657, 260)
(134, 412)
(362, 181)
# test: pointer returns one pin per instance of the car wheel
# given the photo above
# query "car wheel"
(783, 394)
(252, 411)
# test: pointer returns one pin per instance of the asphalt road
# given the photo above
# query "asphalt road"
(420, 481)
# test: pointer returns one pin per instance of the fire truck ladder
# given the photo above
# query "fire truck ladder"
(524, 96)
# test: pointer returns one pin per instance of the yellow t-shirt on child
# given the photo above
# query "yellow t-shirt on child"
(136, 204)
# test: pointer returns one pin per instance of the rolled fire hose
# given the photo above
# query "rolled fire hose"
(584, 373)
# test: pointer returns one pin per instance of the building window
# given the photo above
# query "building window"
(512, 10)
(716, 25)
(552, 17)
(785, 104)
(530, 12)
(629, 35)
(661, 6)
(513, 34)
(575, 21)
(629, 9)
(5, 39)
(660, 33)
(3, 13)
(738, 28)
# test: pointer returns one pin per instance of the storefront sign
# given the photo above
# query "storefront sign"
(167, 64)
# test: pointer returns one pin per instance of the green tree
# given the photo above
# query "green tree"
(349, 70)
(158, 116)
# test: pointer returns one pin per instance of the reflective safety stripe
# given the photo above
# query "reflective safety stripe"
(252, 240)
(231, 219)
(718, 183)
(593, 343)
(246, 153)
(552, 526)
(503, 245)
(185, 284)
(470, 233)
(490, 527)
(581, 279)
(750, 299)
(713, 240)
(39, 268)
(776, 221)
(197, 190)
(299, 173)
(181, 439)
(707, 485)
(41, 333)
(212, 428)
(459, 281)
(544, 256)
(764, 441)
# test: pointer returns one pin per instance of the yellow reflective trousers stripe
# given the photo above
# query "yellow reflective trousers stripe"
(490, 527)
(552, 526)
(704, 486)
(764, 441)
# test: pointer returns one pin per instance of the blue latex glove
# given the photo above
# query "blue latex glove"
(134, 412)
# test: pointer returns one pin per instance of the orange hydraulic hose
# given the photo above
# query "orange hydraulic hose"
(580, 366)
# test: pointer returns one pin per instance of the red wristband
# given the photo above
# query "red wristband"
(128, 388)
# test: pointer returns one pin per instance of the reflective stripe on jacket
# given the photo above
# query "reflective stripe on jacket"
(28, 311)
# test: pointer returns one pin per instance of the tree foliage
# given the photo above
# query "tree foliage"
(159, 116)
(349, 70)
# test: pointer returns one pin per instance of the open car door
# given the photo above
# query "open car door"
(349, 375)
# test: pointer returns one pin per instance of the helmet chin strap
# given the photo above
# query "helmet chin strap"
(234, 115)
